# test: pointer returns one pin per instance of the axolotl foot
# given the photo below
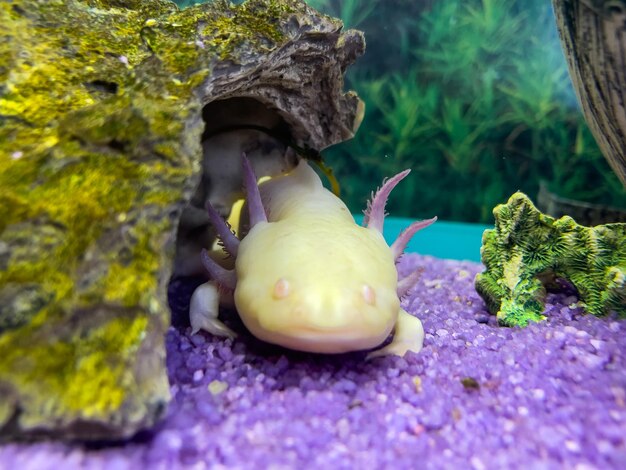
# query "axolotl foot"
(408, 336)
(204, 309)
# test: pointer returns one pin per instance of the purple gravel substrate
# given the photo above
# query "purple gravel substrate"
(552, 395)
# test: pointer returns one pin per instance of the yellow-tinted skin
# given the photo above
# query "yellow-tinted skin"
(310, 278)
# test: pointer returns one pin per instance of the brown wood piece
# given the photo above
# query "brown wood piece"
(593, 36)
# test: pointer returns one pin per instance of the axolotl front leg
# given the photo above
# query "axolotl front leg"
(408, 335)
(206, 299)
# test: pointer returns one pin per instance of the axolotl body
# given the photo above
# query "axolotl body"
(306, 276)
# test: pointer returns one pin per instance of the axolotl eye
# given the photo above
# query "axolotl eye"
(369, 294)
(281, 289)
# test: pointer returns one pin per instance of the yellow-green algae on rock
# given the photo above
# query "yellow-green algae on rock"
(100, 129)
(528, 250)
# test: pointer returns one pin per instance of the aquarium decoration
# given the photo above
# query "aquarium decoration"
(528, 251)
(102, 112)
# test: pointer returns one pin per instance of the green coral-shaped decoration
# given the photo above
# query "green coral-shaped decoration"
(528, 250)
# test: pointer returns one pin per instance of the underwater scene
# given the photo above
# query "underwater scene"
(289, 234)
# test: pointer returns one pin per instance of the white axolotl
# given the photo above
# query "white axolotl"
(306, 276)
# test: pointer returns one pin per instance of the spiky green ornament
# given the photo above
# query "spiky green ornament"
(528, 250)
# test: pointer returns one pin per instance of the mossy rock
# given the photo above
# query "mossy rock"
(100, 149)
(528, 252)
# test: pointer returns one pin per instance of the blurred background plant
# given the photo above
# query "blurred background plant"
(475, 97)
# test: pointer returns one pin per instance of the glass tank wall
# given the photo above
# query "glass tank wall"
(475, 97)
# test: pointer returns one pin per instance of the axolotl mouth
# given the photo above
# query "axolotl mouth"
(331, 340)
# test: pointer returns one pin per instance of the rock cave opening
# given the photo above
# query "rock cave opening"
(232, 127)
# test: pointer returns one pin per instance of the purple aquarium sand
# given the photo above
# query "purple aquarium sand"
(478, 396)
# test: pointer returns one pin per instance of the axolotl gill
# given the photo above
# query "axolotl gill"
(306, 276)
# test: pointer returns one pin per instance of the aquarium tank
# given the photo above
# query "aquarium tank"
(284, 234)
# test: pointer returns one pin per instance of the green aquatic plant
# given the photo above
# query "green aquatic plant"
(528, 250)
(474, 96)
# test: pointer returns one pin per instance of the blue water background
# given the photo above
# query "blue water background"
(452, 240)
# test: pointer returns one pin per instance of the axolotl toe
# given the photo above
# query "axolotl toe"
(306, 276)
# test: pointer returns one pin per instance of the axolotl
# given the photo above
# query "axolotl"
(306, 276)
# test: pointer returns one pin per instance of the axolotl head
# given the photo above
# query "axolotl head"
(323, 286)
